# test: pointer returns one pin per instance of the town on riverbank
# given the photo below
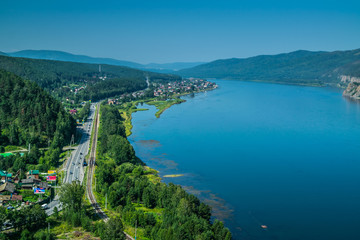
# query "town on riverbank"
(164, 90)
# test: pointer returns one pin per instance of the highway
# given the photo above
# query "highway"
(74, 169)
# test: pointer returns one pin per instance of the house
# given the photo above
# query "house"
(13, 197)
(16, 197)
(7, 187)
(16, 178)
(4, 198)
(29, 183)
(5, 175)
(43, 185)
(33, 174)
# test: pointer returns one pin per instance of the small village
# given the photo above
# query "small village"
(23, 189)
(185, 86)
(166, 90)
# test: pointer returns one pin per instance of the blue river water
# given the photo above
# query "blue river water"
(275, 162)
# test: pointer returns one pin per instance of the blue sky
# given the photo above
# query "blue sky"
(169, 31)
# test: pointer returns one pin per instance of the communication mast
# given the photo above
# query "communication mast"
(72, 141)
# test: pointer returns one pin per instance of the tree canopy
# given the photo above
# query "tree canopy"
(28, 114)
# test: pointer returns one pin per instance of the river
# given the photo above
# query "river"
(282, 156)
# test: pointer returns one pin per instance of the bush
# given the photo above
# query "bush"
(44, 235)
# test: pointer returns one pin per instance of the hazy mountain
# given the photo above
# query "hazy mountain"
(64, 56)
(173, 66)
(299, 67)
(68, 57)
(3, 54)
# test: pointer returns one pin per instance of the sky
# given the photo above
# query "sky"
(179, 31)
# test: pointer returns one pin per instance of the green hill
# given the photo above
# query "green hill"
(77, 80)
(300, 67)
(28, 114)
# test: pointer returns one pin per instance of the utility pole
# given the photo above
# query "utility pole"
(135, 228)
(72, 140)
(29, 148)
(49, 227)
(106, 201)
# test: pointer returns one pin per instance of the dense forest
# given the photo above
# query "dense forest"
(160, 211)
(300, 67)
(29, 115)
(112, 87)
(81, 81)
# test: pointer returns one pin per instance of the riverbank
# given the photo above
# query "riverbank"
(203, 146)
(129, 190)
(127, 109)
(163, 105)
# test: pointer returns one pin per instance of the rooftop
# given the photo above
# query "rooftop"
(33, 172)
(4, 173)
(10, 187)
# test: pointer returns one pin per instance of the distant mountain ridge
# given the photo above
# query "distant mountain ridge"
(299, 67)
(69, 57)
(174, 66)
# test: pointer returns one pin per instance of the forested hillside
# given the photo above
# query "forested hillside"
(28, 114)
(135, 194)
(80, 81)
(300, 67)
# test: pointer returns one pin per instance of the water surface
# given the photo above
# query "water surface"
(263, 154)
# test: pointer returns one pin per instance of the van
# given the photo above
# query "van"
(45, 206)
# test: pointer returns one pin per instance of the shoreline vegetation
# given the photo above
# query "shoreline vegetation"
(173, 175)
(132, 192)
(163, 105)
(127, 109)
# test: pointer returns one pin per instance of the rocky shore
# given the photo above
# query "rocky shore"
(353, 86)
